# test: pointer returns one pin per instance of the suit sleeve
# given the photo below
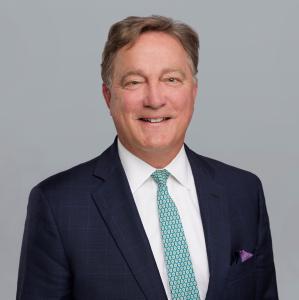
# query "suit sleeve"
(44, 271)
(266, 287)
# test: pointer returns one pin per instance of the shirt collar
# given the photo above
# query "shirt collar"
(179, 168)
(138, 171)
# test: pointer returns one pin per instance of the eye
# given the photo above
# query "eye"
(132, 84)
(172, 80)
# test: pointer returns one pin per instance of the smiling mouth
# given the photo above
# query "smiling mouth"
(154, 120)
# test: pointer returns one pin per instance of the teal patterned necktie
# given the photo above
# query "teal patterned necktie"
(181, 276)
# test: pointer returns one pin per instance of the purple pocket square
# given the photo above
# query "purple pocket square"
(244, 255)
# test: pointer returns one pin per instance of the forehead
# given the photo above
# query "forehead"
(152, 50)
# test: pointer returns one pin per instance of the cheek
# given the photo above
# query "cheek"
(118, 108)
(183, 103)
(127, 103)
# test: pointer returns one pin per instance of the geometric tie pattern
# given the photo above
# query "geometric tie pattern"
(180, 272)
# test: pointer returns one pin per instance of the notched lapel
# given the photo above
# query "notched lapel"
(214, 213)
(116, 205)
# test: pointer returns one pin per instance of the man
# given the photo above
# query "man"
(148, 218)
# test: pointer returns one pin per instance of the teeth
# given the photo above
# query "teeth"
(154, 120)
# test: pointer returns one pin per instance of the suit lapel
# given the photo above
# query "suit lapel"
(117, 207)
(214, 214)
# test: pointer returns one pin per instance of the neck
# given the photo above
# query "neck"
(157, 158)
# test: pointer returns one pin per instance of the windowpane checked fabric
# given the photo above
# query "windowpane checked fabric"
(181, 276)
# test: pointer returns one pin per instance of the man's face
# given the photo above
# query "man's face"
(152, 94)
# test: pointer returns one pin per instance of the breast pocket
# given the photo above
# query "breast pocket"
(241, 270)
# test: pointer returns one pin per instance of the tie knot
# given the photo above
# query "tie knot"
(160, 176)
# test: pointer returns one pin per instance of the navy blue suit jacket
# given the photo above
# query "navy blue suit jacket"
(84, 239)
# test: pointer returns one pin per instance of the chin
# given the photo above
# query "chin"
(157, 146)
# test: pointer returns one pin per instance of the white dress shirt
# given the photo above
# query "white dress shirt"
(182, 190)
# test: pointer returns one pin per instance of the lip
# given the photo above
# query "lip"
(150, 117)
(161, 120)
(154, 124)
(155, 117)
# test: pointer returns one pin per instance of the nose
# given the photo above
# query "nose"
(154, 96)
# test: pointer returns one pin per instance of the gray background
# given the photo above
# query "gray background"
(52, 114)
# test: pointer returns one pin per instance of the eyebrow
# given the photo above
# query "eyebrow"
(169, 70)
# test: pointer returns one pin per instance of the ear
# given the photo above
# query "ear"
(107, 94)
